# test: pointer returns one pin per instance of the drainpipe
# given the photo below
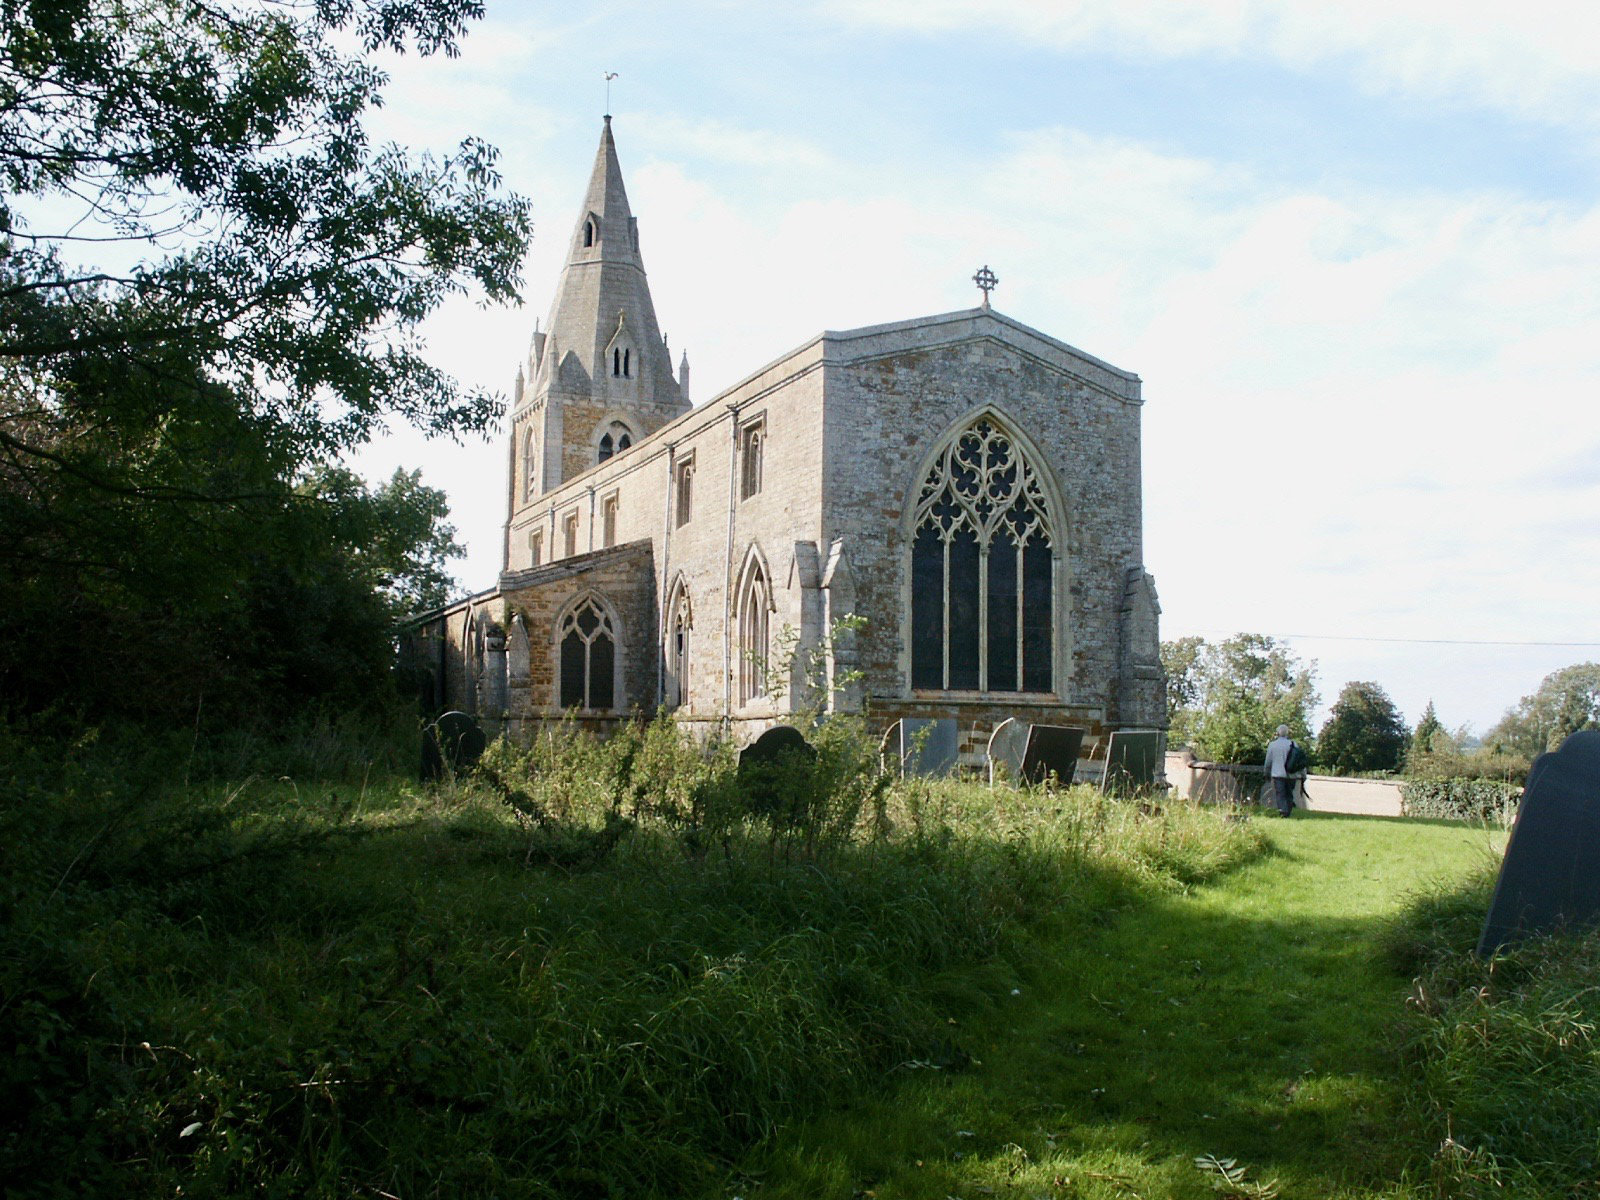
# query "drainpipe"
(729, 583)
(666, 563)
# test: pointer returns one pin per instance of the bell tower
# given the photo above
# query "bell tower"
(598, 377)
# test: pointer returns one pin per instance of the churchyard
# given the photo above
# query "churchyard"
(615, 969)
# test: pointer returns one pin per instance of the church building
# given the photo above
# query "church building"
(966, 486)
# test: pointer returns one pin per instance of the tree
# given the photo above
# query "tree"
(1567, 701)
(1428, 731)
(210, 286)
(1236, 692)
(1364, 732)
(1180, 660)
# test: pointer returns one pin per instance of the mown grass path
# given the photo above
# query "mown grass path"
(1250, 1019)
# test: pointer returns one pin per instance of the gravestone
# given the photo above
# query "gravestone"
(775, 773)
(922, 746)
(1007, 745)
(1051, 750)
(453, 740)
(1131, 760)
(1550, 878)
(779, 742)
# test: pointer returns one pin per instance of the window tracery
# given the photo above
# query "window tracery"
(982, 570)
(588, 641)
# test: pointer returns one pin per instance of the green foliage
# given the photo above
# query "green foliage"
(1459, 799)
(1567, 700)
(210, 286)
(1429, 733)
(1230, 696)
(1504, 1056)
(280, 990)
(1364, 732)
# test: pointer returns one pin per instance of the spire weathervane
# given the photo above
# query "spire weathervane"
(610, 75)
(986, 280)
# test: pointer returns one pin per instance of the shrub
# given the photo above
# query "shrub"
(1459, 799)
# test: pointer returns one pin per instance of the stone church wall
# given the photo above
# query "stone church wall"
(886, 414)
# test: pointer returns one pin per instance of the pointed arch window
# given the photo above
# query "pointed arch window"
(982, 570)
(590, 232)
(680, 620)
(587, 637)
(752, 442)
(617, 438)
(530, 452)
(755, 602)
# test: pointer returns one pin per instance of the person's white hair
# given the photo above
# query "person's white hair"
(1283, 731)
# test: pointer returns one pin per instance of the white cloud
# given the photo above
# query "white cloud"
(1534, 59)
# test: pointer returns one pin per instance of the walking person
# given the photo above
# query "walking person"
(1280, 771)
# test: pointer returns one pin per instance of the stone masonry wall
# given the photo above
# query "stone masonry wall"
(886, 414)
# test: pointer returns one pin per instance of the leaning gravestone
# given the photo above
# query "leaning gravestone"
(1052, 750)
(1131, 760)
(1007, 746)
(1550, 878)
(454, 740)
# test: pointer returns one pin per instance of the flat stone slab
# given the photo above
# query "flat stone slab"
(1550, 878)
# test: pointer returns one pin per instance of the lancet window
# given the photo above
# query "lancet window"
(982, 570)
(755, 599)
(679, 622)
(588, 640)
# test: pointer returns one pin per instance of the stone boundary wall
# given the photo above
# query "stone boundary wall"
(1232, 783)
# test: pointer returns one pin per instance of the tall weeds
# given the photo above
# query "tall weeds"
(602, 973)
(1504, 1052)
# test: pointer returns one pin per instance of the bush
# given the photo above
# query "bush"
(1459, 799)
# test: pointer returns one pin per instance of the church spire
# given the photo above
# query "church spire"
(603, 315)
(602, 351)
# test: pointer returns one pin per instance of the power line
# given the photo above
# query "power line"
(1342, 637)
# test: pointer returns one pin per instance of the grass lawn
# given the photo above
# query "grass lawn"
(1250, 1019)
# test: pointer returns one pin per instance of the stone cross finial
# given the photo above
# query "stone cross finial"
(986, 280)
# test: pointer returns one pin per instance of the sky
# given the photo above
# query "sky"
(1352, 249)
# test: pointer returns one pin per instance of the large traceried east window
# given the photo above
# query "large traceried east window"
(588, 640)
(982, 570)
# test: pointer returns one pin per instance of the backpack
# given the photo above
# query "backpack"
(1297, 760)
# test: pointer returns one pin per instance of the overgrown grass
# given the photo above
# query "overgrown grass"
(282, 987)
(1248, 1020)
(1504, 1052)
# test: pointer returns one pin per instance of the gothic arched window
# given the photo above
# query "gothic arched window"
(617, 438)
(755, 599)
(587, 636)
(530, 448)
(679, 621)
(982, 570)
(589, 232)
